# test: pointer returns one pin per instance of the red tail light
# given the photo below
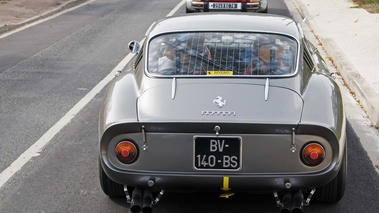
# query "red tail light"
(126, 152)
(313, 154)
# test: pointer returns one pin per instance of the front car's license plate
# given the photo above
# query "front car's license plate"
(225, 6)
(217, 153)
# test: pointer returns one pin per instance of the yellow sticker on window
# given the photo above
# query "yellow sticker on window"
(220, 73)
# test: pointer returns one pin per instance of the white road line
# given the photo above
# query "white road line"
(173, 11)
(43, 19)
(38, 146)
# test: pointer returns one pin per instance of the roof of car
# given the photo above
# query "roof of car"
(227, 21)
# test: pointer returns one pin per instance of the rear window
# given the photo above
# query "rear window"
(222, 54)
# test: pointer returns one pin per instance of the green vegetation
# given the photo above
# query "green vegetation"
(371, 6)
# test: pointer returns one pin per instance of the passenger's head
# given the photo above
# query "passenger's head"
(169, 52)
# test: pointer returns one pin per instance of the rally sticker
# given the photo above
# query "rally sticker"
(220, 73)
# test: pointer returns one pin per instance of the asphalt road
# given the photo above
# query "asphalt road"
(47, 69)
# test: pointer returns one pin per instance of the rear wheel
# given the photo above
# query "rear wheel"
(110, 188)
(334, 190)
(266, 10)
(189, 11)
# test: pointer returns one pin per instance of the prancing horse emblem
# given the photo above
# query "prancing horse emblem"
(220, 103)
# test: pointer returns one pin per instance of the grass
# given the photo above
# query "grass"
(371, 6)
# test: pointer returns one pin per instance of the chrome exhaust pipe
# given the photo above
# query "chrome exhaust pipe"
(135, 203)
(298, 202)
(286, 203)
(147, 201)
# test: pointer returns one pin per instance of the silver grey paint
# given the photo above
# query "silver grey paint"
(310, 103)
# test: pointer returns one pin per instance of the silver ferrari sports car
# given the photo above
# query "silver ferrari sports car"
(226, 5)
(224, 103)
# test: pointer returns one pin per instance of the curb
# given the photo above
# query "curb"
(362, 92)
(65, 6)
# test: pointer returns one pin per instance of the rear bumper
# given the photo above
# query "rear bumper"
(170, 166)
(260, 6)
(266, 161)
(192, 182)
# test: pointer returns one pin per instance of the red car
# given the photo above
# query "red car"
(260, 6)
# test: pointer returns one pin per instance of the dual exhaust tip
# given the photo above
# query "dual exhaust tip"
(292, 204)
(142, 200)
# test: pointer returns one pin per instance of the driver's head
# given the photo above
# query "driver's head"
(169, 52)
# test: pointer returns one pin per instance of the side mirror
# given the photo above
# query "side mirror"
(134, 46)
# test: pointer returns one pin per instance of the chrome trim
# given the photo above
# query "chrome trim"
(293, 144)
(217, 129)
(144, 146)
(223, 113)
(173, 88)
(267, 85)
(219, 101)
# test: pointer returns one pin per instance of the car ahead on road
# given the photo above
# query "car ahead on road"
(227, 103)
(226, 5)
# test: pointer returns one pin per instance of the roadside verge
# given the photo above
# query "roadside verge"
(363, 92)
(48, 13)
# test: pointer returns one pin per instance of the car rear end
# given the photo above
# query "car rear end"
(189, 143)
(226, 5)
(227, 111)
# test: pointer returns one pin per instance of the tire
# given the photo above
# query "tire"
(266, 10)
(189, 11)
(110, 188)
(335, 189)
